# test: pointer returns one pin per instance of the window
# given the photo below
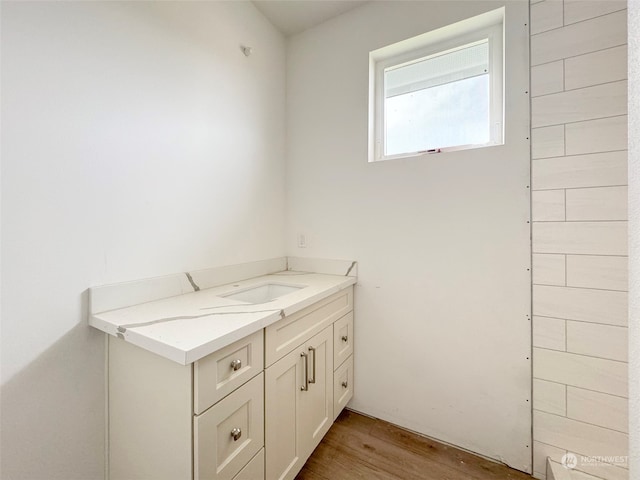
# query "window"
(439, 91)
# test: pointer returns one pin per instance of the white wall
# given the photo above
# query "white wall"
(634, 237)
(442, 304)
(137, 140)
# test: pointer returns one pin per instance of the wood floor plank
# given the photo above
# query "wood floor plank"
(360, 447)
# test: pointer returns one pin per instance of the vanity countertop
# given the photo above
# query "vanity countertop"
(185, 328)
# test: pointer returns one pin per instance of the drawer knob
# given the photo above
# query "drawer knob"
(236, 364)
(345, 384)
(236, 433)
(345, 338)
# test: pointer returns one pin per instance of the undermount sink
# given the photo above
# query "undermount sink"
(262, 293)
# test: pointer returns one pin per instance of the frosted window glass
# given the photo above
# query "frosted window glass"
(438, 101)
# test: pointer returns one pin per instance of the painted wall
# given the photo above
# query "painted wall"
(137, 140)
(442, 302)
(634, 239)
(579, 211)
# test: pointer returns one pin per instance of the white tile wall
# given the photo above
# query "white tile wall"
(549, 333)
(593, 170)
(595, 340)
(550, 397)
(579, 38)
(578, 436)
(600, 375)
(548, 205)
(597, 408)
(602, 203)
(546, 15)
(579, 10)
(586, 103)
(600, 135)
(603, 66)
(583, 304)
(579, 232)
(593, 271)
(596, 238)
(549, 269)
(547, 141)
(548, 77)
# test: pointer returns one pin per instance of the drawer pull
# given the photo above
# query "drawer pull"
(345, 384)
(236, 433)
(345, 338)
(236, 365)
(305, 387)
(313, 350)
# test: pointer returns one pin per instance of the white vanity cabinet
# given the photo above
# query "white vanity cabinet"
(255, 409)
(299, 385)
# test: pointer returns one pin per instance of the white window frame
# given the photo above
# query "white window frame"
(489, 26)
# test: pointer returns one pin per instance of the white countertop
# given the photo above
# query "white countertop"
(188, 327)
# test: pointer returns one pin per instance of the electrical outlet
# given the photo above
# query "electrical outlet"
(302, 240)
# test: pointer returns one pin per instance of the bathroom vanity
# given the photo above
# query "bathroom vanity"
(238, 381)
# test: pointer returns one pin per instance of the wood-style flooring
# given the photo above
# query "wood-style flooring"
(359, 447)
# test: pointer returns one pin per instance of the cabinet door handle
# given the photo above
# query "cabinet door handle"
(236, 433)
(345, 338)
(313, 350)
(305, 387)
(236, 364)
(345, 384)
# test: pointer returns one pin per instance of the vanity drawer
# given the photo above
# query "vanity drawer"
(342, 339)
(285, 335)
(218, 454)
(254, 470)
(342, 386)
(220, 373)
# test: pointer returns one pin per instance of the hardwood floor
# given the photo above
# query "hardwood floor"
(359, 447)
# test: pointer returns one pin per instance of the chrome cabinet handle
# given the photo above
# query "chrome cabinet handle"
(345, 338)
(236, 433)
(313, 380)
(305, 387)
(345, 384)
(236, 364)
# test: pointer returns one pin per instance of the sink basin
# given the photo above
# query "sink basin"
(262, 293)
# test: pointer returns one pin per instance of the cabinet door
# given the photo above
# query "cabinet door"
(283, 382)
(316, 404)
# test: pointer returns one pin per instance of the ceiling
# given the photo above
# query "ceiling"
(294, 16)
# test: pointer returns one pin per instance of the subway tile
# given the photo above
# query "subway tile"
(549, 333)
(596, 34)
(546, 16)
(598, 408)
(603, 66)
(583, 304)
(549, 397)
(548, 269)
(589, 238)
(547, 206)
(593, 271)
(587, 103)
(594, 170)
(593, 136)
(601, 203)
(540, 453)
(547, 78)
(578, 436)
(547, 141)
(590, 373)
(604, 341)
(579, 10)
